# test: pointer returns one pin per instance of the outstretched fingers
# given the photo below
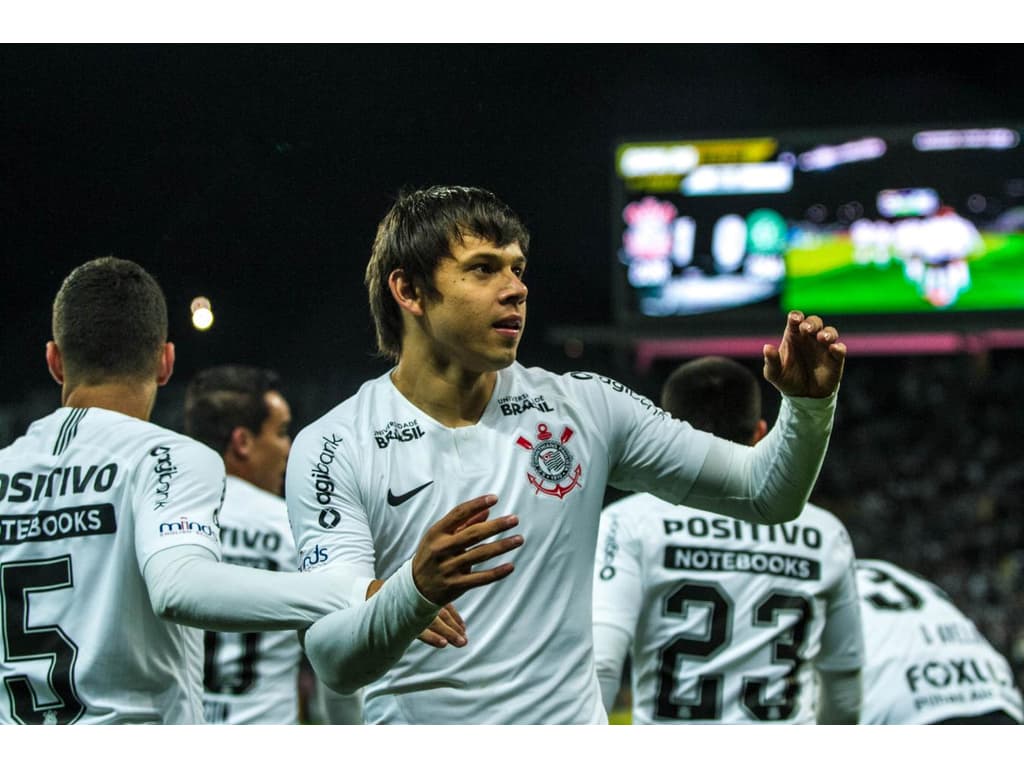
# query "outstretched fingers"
(463, 563)
(443, 563)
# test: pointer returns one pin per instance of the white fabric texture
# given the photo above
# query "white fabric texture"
(367, 479)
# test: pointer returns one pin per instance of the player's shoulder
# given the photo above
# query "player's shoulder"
(822, 516)
(867, 565)
(250, 496)
(247, 506)
(343, 420)
(142, 437)
(581, 386)
(871, 572)
(98, 432)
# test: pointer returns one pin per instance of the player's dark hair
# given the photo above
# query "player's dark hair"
(717, 395)
(109, 321)
(417, 233)
(221, 398)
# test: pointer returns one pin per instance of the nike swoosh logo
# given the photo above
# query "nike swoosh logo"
(394, 500)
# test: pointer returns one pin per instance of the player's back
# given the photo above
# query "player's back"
(252, 677)
(926, 662)
(730, 615)
(86, 496)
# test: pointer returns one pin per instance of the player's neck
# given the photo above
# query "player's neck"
(454, 397)
(129, 398)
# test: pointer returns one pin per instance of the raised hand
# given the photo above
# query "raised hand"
(808, 361)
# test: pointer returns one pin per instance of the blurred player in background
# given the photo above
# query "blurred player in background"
(109, 539)
(239, 412)
(725, 621)
(926, 662)
(458, 418)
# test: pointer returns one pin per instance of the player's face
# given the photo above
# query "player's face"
(269, 455)
(479, 319)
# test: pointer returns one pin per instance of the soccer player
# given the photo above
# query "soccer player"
(458, 417)
(109, 540)
(240, 413)
(926, 663)
(725, 621)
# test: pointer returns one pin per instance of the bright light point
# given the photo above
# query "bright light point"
(202, 319)
(202, 313)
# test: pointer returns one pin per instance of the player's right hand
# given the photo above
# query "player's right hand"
(442, 567)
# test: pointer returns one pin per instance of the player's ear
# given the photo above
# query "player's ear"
(241, 442)
(166, 365)
(404, 292)
(760, 431)
(54, 361)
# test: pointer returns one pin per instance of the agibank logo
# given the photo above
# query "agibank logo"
(552, 462)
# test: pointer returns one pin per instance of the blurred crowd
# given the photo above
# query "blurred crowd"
(926, 468)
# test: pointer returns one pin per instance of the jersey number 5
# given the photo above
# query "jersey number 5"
(47, 642)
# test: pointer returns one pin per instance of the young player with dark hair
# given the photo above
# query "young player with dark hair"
(458, 417)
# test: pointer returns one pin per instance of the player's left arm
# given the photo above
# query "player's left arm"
(839, 662)
(771, 482)
(768, 483)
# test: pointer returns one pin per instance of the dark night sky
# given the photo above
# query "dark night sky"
(256, 174)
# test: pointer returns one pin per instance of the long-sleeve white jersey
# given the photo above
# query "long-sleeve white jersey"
(925, 660)
(367, 479)
(724, 620)
(252, 677)
(87, 496)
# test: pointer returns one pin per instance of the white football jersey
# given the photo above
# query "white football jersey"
(87, 496)
(367, 480)
(252, 677)
(926, 661)
(726, 617)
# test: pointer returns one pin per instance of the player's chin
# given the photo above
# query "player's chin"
(502, 358)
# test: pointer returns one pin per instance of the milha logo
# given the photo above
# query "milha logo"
(552, 462)
(184, 525)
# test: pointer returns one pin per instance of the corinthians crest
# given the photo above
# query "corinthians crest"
(552, 462)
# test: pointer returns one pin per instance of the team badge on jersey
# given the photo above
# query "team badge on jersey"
(552, 462)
